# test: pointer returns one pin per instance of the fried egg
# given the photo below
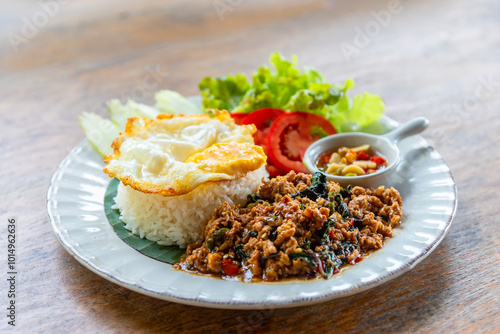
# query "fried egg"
(173, 154)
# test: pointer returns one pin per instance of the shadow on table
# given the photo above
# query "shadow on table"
(407, 303)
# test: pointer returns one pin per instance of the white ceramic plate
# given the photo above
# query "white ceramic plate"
(75, 210)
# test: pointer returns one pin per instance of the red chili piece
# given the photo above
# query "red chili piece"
(378, 160)
(363, 156)
(229, 268)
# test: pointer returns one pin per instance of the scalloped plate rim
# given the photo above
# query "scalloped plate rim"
(231, 304)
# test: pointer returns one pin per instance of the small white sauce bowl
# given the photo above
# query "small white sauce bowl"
(384, 144)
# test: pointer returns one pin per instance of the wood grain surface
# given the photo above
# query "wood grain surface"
(438, 59)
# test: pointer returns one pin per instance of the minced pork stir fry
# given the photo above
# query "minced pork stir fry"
(296, 226)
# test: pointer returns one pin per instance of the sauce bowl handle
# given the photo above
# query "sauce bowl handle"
(413, 127)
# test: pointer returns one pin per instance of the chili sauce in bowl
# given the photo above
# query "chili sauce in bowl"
(320, 156)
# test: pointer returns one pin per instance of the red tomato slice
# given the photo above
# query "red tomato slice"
(238, 117)
(290, 136)
(263, 119)
(273, 170)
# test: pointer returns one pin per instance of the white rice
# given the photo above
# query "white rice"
(178, 220)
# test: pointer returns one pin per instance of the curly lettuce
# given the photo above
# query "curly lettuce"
(223, 93)
(289, 88)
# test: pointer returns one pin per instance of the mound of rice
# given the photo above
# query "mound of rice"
(178, 220)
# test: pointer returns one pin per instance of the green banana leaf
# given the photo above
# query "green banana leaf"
(168, 254)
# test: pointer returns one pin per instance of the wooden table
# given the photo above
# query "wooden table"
(435, 59)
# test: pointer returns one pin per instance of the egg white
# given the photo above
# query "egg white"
(172, 155)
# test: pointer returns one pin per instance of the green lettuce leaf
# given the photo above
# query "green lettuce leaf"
(351, 114)
(287, 87)
(223, 93)
(275, 89)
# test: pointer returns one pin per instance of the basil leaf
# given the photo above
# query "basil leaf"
(214, 237)
(303, 256)
(318, 188)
